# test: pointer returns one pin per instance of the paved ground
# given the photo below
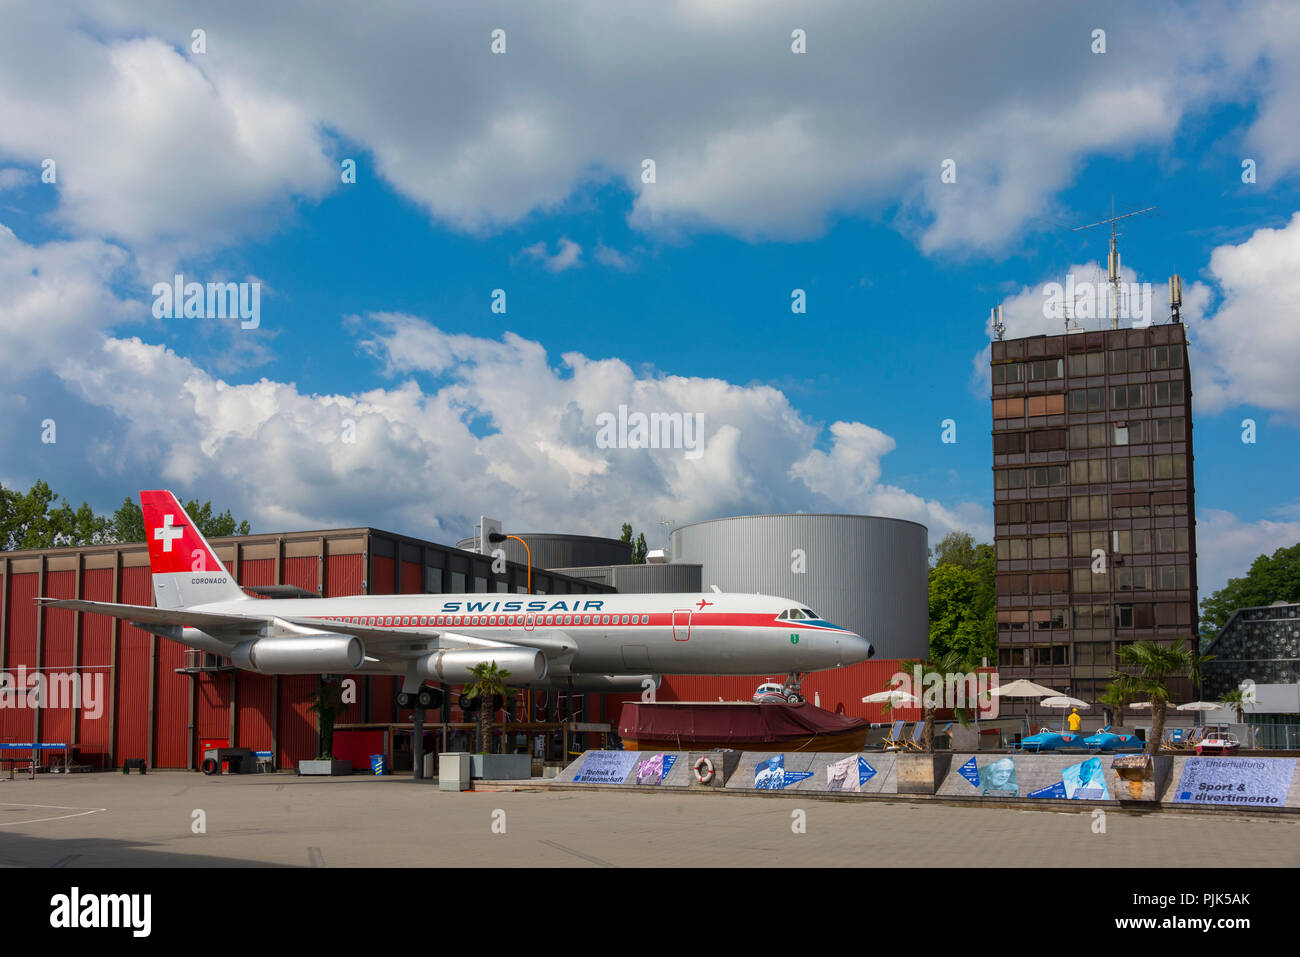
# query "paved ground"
(112, 820)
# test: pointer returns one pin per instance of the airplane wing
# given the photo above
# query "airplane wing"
(154, 616)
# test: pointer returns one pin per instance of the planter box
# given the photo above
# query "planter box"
(336, 766)
(501, 767)
(921, 773)
(453, 771)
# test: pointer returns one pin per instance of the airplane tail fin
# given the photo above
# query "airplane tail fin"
(185, 569)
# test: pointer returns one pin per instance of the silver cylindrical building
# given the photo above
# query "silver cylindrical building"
(557, 550)
(861, 572)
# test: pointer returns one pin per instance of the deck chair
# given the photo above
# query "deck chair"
(894, 739)
(914, 742)
(1193, 738)
(1173, 740)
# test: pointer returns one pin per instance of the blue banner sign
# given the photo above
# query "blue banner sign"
(971, 772)
(1243, 782)
(606, 767)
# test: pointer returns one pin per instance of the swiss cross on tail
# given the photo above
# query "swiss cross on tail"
(167, 532)
(185, 569)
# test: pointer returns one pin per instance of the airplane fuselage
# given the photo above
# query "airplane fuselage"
(613, 634)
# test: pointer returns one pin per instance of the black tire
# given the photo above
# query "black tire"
(794, 698)
(429, 698)
(404, 701)
(469, 705)
(210, 766)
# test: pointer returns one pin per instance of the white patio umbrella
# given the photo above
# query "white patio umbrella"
(1137, 704)
(895, 698)
(1201, 706)
(1064, 701)
(1023, 688)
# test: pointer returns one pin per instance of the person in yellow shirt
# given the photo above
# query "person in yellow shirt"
(1075, 721)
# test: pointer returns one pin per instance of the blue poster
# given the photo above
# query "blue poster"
(771, 775)
(1244, 782)
(606, 767)
(865, 771)
(1056, 790)
(999, 779)
(1085, 781)
(971, 772)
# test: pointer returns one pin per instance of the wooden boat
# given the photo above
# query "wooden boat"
(739, 725)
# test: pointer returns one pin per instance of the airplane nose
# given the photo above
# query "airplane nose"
(855, 648)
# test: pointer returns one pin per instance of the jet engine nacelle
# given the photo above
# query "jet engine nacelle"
(608, 683)
(300, 655)
(526, 665)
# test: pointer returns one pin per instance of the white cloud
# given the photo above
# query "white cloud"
(159, 147)
(56, 298)
(12, 178)
(1226, 546)
(608, 256)
(567, 255)
(504, 429)
(1247, 351)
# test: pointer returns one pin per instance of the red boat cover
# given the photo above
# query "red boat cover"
(730, 720)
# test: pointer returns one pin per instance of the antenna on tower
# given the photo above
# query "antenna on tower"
(1113, 259)
(1175, 298)
(995, 317)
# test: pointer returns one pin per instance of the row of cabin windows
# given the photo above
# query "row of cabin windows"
(451, 621)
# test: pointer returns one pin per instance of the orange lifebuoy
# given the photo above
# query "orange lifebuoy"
(703, 769)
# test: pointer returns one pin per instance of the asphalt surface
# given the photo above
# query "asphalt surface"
(115, 820)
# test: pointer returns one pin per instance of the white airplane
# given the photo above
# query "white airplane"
(604, 642)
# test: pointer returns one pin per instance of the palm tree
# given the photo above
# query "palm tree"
(948, 663)
(1236, 699)
(489, 681)
(1117, 696)
(1155, 663)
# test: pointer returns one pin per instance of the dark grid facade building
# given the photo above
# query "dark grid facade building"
(1095, 528)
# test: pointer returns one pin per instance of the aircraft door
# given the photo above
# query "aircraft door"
(682, 624)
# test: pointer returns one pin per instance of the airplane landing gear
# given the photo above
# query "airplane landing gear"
(424, 698)
(794, 687)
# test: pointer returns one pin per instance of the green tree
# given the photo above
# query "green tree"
(639, 548)
(489, 681)
(328, 704)
(1154, 664)
(35, 521)
(1271, 578)
(963, 598)
(1119, 694)
(1237, 699)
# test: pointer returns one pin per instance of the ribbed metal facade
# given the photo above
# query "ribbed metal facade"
(550, 550)
(865, 573)
(656, 579)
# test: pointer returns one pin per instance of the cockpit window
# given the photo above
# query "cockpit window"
(796, 614)
(809, 613)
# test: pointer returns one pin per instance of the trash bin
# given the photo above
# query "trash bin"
(377, 763)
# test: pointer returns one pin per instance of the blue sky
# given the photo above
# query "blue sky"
(775, 171)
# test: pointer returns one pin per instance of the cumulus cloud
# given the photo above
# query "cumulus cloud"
(56, 298)
(1247, 350)
(567, 255)
(503, 429)
(1226, 546)
(159, 144)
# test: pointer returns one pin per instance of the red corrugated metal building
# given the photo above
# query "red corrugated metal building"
(146, 697)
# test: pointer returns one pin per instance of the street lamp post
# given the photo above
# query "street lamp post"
(497, 537)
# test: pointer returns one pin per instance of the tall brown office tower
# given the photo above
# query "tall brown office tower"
(1093, 504)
